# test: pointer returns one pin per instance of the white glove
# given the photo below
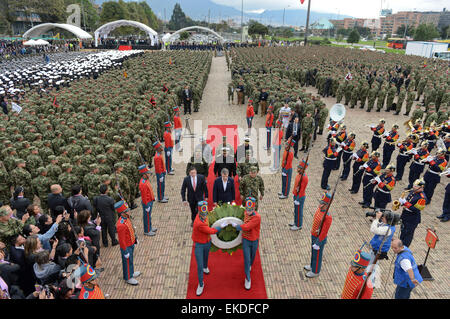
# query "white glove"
(148, 209)
(402, 200)
(429, 158)
(315, 247)
(373, 181)
(296, 202)
(378, 180)
(372, 126)
(268, 129)
(284, 174)
(355, 156)
(168, 153)
(224, 224)
(399, 144)
(386, 134)
(233, 224)
(365, 165)
(127, 256)
(414, 151)
(339, 149)
(161, 179)
(343, 144)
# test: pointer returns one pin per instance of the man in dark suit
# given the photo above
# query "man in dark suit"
(187, 98)
(104, 206)
(56, 199)
(223, 188)
(293, 130)
(224, 160)
(197, 191)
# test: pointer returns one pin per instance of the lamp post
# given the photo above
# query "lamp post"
(307, 22)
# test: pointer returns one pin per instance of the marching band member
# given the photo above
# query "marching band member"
(389, 145)
(250, 237)
(437, 164)
(127, 242)
(360, 157)
(329, 163)
(378, 132)
(347, 152)
(356, 276)
(319, 236)
(385, 183)
(403, 157)
(372, 169)
(412, 204)
(341, 136)
(299, 195)
(431, 136)
(416, 167)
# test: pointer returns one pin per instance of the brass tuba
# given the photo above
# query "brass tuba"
(396, 203)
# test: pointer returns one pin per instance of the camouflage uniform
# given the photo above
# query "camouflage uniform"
(5, 185)
(41, 187)
(53, 169)
(9, 229)
(67, 180)
(21, 177)
(400, 100)
(249, 186)
(371, 98)
(409, 101)
(91, 182)
(380, 98)
(307, 130)
(390, 97)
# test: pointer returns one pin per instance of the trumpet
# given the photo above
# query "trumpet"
(396, 203)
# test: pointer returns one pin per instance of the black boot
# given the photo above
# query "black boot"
(378, 110)
(407, 113)
(396, 113)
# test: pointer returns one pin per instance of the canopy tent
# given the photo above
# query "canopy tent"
(215, 34)
(40, 29)
(42, 42)
(105, 29)
(30, 42)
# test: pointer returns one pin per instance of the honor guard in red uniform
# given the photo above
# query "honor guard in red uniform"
(201, 236)
(356, 276)
(372, 169)
(384, 185)
(403, 156)
(286, 170)
(437, 164)
(269, 124)
(168, 147)
(329, 163)
(341, 136)
(249, 115)
(319, 233)
(277, 138)
(301, 181)
(90, 288)
(250, 237)
(361, 157)
(417, 166)
(147, 199)
(413, 204)
(160, 172)
(178, 127)
(127, 242)
(378, 132)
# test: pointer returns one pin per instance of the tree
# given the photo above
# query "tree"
(353, 37)
(111, 11)
(445, 32)
(255, 28)
(179, 20)
(425, 32)
(401, 31)
(363, 31)
(184, 35)
(343, 32)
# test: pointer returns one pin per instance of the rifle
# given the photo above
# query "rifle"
(303, 173)
(328, 207)
(288, 148)
(377, 256)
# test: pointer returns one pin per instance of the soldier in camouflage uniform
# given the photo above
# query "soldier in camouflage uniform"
(354, 96)
(348, 92)
(410, 95)
(381, 96)
(21, 177)
(244, 165)
(34, 161)
(130, 171)
(10, 227)
(417, 114)
(421, 87)
(102, 164)
(67, 180)
(5, 185)
(431, 115)
(371, 98)
(340, 91)
(91, 182)
(87, 158)
(251, 184)
(307, 130)
(363, 95)
(400, 100)
(78, 169)
(112, 192)
(53, 169)
(41, 187)
(118, 178)
(45, 151)
(230, 93)
(390, 97)
(442, 114)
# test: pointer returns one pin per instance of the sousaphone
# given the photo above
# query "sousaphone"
(337, 112)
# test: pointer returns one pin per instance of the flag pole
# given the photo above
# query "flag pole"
(307, 22)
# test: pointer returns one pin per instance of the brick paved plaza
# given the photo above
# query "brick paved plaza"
(164, 259)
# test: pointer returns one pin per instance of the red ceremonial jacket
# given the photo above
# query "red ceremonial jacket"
(269, 119)
(125, 232)
(250, 111)
(177, 122)
(316, 224)
(353, 284)
(146, 191)
(201, 232)
(286, 162)
(159, 164)
(302, 188)
(168, 141)
(87, 293)
(251, 227)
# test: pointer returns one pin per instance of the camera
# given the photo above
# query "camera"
(391, 217)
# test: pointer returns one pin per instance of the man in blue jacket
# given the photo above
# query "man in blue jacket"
(223, 190)
(406, 273)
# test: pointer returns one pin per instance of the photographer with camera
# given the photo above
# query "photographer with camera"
(383, 228)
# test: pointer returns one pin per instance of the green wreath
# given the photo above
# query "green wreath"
(229, 233)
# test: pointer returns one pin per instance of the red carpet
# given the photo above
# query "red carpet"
(226, 277)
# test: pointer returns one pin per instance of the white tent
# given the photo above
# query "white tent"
(41, 42)
(30, 42)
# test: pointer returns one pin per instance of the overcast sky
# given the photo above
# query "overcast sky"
(355, 8)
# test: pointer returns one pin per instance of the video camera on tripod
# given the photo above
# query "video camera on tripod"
(391, 217)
